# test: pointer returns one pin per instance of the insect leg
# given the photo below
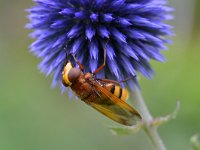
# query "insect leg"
(66, 57)
(109, 81)
(78, 62)
(116, 82)
(127, 79)
(102, 66)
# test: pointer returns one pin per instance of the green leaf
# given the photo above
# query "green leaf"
(161, 120)
(126, 130)
(195, 142)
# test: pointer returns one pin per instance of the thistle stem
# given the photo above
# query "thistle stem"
(149, 129)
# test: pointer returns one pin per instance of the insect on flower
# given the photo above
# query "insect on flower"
(136, 30)
(106, 96)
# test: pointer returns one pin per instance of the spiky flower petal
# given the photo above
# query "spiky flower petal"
(131, 31)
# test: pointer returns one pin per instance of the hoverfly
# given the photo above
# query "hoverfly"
(106, 96)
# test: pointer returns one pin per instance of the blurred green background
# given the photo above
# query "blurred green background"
(35, 117)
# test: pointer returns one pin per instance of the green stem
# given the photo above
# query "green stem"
(150, 130)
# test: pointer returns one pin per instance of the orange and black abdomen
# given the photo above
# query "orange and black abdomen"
(117, 91)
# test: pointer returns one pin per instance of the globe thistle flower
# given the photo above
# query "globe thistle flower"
(132, 32)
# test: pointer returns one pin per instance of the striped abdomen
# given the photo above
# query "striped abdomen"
(118, 91)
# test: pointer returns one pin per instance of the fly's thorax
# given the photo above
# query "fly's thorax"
(88, 75)
(70, 74)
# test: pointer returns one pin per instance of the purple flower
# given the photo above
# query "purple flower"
(132, 32)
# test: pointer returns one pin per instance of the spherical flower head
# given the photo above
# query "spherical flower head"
(132, 32)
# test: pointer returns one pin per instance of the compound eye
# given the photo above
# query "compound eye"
(73, 74)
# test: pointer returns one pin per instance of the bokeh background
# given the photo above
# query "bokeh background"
(35, 117)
